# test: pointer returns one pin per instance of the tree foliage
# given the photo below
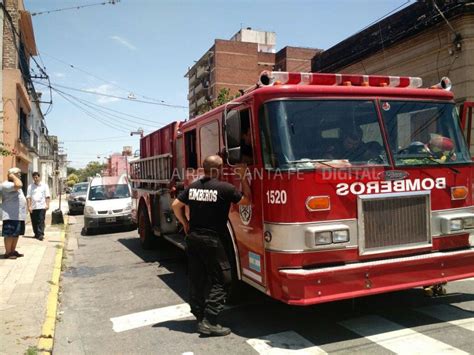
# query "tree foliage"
(72, 179)
(71, 170)
(92, 169)
(223, 97)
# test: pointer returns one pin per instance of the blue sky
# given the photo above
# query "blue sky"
(144, 47)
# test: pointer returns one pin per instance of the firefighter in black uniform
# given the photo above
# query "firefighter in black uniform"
(209, 269)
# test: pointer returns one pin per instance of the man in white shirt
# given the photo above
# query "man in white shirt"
(38, 198)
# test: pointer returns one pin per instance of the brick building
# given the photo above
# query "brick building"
(423, 39)
(236, 63)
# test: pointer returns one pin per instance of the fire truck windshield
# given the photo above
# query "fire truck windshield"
(306, 134)
(336, 133)
(424, 133)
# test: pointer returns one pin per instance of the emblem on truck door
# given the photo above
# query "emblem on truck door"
(391, 175)
(245, 213)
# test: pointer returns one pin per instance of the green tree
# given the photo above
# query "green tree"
(4, 151)
(72, 179)
(92, 169)
(71, 170)
(223, 97)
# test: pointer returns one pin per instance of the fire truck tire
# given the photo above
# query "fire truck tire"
(144, 229)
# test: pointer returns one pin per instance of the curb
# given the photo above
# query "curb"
(46, 339)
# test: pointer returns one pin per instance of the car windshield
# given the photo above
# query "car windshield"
(80, 188)
(424, 133)
(310, 133)
(108, 192)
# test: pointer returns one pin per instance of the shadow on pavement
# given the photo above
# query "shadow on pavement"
(107, 230)
(254, 315)
(183, 326)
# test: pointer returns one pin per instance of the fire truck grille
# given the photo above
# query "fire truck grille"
(394, 222)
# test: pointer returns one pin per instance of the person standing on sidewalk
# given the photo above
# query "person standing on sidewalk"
(209, 201)
(38, 197)
(13, 212)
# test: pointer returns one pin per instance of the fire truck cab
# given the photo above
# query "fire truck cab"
(360, 184)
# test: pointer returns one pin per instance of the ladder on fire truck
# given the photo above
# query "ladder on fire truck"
(151, 172)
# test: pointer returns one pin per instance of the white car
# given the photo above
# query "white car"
(108, 203)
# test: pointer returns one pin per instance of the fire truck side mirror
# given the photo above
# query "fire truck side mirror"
(233, 136)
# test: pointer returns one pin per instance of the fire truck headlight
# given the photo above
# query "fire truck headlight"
(340, 236)
(455, 225)
(323, 238)
(468, 223)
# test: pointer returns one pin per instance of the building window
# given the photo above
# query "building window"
(24, 132)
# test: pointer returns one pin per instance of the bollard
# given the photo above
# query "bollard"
(57, 217)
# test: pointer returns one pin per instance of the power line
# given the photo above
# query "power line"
(116, 111)
(106, 81)
(112, 2)
(112, 116)
(123, 130)
(118, 97)
(97, 139)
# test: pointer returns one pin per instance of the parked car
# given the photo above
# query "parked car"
(77, 198)
(108, 203)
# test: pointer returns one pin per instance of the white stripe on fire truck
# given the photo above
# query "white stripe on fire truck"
(284, 343)
(451, 315)
(252, 275)
(153, 316)
(396, 337)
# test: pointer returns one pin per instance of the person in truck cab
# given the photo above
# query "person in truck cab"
(352, 148)
(209, 202)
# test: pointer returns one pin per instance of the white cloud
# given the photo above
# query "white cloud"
(59, 75)
(106, 89)
(124, 42)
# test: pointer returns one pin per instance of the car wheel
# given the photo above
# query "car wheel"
(144, 229)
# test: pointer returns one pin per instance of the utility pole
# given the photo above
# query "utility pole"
(57, 215)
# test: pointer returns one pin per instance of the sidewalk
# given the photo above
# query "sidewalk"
(25, 285)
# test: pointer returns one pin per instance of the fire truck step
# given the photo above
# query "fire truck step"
(176, 239)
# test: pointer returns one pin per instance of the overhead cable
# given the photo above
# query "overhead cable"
(112, 2)
(107, 81)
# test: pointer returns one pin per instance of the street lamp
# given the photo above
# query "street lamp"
(139, 131)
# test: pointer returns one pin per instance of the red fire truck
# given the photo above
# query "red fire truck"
(360, 184)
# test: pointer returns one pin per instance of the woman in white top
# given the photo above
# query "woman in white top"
(13, 213)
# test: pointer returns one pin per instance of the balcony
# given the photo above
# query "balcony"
(192, 78)
(201, 101)
(204, 69)
(201, 89)
(191, 94)
(34, 143)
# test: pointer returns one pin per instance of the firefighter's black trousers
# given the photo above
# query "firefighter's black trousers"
(209, 274)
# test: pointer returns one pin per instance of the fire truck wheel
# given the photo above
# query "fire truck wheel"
(144, 229)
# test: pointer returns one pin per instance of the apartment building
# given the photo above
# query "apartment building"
(235, 64)
(18, 47)
(23, 130)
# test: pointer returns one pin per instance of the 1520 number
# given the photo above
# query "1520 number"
(276, 197)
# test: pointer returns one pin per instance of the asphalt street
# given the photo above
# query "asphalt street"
(118, 299)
